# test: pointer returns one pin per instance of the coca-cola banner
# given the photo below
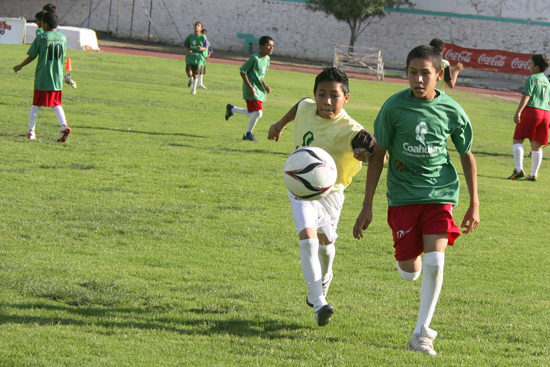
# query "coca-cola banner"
(494, 60)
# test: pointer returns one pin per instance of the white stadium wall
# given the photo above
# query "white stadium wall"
(515, 26)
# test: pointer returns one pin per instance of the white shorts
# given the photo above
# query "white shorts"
(322, 214)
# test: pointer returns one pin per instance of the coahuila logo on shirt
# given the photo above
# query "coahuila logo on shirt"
(307, 139)
(421, 130)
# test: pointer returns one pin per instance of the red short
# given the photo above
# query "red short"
(533, 125)
(254, 105)
(410, 222)
(47, 98)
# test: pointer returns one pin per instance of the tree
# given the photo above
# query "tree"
(358, 14)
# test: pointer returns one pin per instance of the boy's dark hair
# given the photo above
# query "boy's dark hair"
(38, 16)
(428, 53)
(332, 74)
(204, 31)
(541, 61)
(51, 19)
(264, 40)
(50, 7)
(438, 44)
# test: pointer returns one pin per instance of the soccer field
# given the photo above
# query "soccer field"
(157, 237)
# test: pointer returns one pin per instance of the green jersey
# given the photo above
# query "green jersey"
(38, 31)
(536, 86)
(255, 68)
(415, 134)
(194, 42)
(50, 48)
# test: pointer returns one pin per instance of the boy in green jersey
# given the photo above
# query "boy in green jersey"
(254, 88)
(196, 44)
(422, 184)
(206, 53)
(50, 48)
(38, 21)
(531, 118)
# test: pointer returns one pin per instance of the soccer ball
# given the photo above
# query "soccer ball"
(309, 173)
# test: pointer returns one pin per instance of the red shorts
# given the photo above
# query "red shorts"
(254, 105)
(409, 222)
(533, 125)
(47, 98)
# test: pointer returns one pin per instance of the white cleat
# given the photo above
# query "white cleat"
(423, 342)
(202, 87)
(31, 135)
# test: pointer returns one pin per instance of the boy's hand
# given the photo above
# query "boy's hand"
(273, 133)
(362, 223)
(251, 91)
(361, 154)
(267, 89)
(471, 220)
(517, 117)
(459, 66)
(16, 68)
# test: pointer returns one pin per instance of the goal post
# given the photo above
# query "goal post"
(362, 60)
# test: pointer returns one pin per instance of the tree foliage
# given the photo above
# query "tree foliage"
(358, 14)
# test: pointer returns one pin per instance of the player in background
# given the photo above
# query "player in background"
(195, 43)
(531, 118)
(449, 78)
(206, 53)
(322, 122)
(50, 7)
(422, 184)
(255, 90)
(50, 48)
(38, 21)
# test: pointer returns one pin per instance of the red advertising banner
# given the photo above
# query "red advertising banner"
(494, 60)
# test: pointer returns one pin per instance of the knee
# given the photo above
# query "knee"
(260, 113)
(411, 277)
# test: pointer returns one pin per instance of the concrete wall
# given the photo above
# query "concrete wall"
(304, 34)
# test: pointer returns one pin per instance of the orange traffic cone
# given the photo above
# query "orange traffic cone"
(69, 66)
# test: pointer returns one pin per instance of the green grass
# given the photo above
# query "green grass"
(156, 237)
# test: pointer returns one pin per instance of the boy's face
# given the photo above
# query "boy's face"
(267, 49)
(197, 27)
(330, 99)
(38, 23)
(422, 79)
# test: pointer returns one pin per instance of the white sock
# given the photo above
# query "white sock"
(536, 160)
(254, 117)
(200, 80)
(311, 270)
(408, 276)
(432, 282)
(326, 258)
(33, 116)
(194, 85)
(244, 111)
(60, 113)
(518, 156)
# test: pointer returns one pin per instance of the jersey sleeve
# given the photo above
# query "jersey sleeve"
(248, 65)
(364, 139)
(462, 137)
(383, 129)
(529, 86)
(34, 49)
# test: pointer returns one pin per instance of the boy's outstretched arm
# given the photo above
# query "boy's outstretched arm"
(27, 61)
(471, 218)
(376, 163)
(276, 129)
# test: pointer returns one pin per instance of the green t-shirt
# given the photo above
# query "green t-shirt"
(536, 86)
(193, 42)
(255, 68)
(38, 31)
(415, 134)
(50, 48)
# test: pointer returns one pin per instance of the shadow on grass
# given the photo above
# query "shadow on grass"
(216, 149)
(103, 318)
(142, 132)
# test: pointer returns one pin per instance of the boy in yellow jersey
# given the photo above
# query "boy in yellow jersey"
(449, 78)
(323, 123)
